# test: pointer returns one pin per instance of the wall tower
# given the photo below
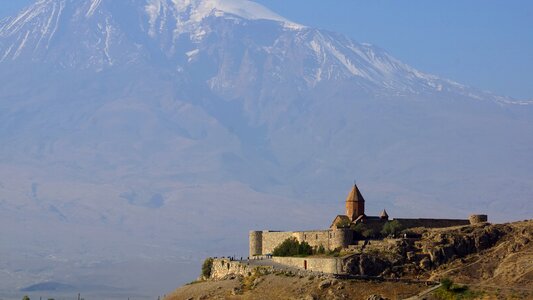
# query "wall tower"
(256, 243)
(355, 204)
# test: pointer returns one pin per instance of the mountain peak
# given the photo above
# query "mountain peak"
(197, 10)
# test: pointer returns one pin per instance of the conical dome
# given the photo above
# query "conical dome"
(355, 195)
(355, 204)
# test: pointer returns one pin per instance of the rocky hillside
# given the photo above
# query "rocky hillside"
(509, 263)
(437, 248)
(494, 260)
(287, 286)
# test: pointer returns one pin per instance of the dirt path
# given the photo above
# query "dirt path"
(421, 295)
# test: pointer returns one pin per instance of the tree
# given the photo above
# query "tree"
(305, 249)
(291, 247)
(370, 233)
(391, 228)
(26, 297)
(363, 231)
(206, 267)
(321, 249)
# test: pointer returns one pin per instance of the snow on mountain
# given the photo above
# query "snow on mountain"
(191, 12)
(140, 127)
(107, 40)
(33, 30)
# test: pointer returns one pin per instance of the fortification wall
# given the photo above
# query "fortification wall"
(271, 239)
(316, 238)
(256, 243)
(325, 265)
(432, 223)
(330, 239)
(341, 238)
(476, 219)
(375, 224)
(223, 267)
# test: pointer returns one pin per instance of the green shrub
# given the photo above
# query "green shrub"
(362, 231)
(391, 228)
(343, 223)
(26, 298)
(370, 233)
(335, 252)
(451, 291)
(305, 249)
(446, 283)
(206, 267)
(321, 249)
(291, 247)
(358, 230)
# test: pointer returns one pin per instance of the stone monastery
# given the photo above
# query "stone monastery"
(341, 233)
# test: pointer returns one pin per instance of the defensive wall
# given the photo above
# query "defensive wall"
(476, 219)
(264, 242)
(331, 265)
(432, 223)
(223, 267)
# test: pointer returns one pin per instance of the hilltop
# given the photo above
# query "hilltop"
(493, 260)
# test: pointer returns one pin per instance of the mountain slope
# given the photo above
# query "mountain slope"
(153, 123)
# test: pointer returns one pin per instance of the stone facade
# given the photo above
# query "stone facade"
(223, 267)
(330, 265)
(432, 223)
(477, 219)
(256, 243)
(264, 242)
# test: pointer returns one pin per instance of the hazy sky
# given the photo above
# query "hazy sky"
(486, 44)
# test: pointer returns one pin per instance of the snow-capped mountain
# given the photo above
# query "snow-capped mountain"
(179, 31)
(148, 124)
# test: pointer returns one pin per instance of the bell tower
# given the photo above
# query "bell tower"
(355, 204)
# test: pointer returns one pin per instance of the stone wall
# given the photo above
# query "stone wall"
(329, 265)
(273, 238)
(256, 243)
(432, 223)
(269, 240)
(477, 219)
(264, 242)
(223, 267)
(375, 224)
(316, 238)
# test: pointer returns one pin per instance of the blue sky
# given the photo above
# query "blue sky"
(483, 43)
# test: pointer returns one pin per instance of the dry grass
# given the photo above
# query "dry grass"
(274, 286)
